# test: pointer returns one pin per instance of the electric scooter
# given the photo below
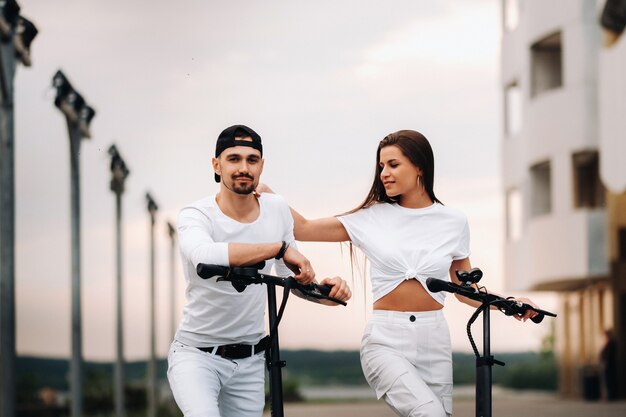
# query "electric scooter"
(508, 306)
(240, 278)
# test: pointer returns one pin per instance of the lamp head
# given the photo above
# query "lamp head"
(118, 167)
(85, 114)
(171, 230)
(72, 104)
(152, 206)
(9, 12)
(25, 32)
(66, 96)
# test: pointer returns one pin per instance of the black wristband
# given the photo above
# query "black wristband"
(281, 252)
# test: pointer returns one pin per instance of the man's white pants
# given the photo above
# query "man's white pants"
(407, 359)
(207, 385)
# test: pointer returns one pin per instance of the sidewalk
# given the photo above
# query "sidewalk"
(524, 405)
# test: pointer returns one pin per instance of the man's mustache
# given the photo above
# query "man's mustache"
(250, 177)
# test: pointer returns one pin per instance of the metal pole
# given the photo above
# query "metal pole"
(172, 233)
(119, 172)
(152, 396)
(483, 370)
(119, 364)
(7, 234)
(274, 362)
(76, 363)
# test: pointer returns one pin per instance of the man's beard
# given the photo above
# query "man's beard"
(243, 189)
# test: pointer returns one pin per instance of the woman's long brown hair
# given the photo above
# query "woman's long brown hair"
(415, 147)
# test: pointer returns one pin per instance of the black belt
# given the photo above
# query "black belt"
(238, 350)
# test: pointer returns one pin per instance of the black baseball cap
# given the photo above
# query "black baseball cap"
(230, 138)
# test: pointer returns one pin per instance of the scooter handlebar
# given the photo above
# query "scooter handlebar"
(312, 290)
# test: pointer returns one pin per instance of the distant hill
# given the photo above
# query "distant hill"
(307, 367)
(41, 372)
(527, 370)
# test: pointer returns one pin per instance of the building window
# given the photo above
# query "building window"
(513, 214)
(512, 109)
(588, 189)
(541, 189)
(510, 11)
(546, 64)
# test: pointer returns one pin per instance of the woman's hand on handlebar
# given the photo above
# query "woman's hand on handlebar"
(529, 314)
(339, 289)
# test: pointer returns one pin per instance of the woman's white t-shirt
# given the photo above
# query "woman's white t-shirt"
(403, 243)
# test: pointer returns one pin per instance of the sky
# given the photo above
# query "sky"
(322, 82)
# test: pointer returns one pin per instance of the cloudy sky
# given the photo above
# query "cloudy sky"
(322, 82)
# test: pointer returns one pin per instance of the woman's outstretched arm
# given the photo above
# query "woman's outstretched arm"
(327, 229)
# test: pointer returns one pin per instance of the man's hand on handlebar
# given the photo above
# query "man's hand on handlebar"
(339, 290)
(300, 266)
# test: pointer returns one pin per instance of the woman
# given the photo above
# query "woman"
(408, 235)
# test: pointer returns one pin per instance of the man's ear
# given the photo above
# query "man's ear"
(216, 166)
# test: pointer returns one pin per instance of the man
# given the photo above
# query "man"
(216, 363)
(608, 363)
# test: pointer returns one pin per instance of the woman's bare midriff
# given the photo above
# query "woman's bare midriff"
(410, 295)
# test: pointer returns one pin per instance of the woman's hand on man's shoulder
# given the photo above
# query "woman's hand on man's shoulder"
(263, 188)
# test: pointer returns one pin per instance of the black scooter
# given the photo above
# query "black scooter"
(240, 278)
(508, 306)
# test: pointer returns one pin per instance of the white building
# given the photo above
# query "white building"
(565, 231)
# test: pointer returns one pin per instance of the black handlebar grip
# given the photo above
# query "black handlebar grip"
(538, 318)
(324, 289)
(206, 271)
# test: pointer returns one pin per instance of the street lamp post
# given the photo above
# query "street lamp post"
(119, 172)
(78, 115)
(171, 230)
(16, 35)
(151, 383)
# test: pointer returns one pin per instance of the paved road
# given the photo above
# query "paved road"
(523, 406)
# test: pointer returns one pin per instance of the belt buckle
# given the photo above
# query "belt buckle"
(235, 351)
(228, 351)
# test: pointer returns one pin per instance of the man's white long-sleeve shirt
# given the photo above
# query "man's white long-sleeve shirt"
(215, 313)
